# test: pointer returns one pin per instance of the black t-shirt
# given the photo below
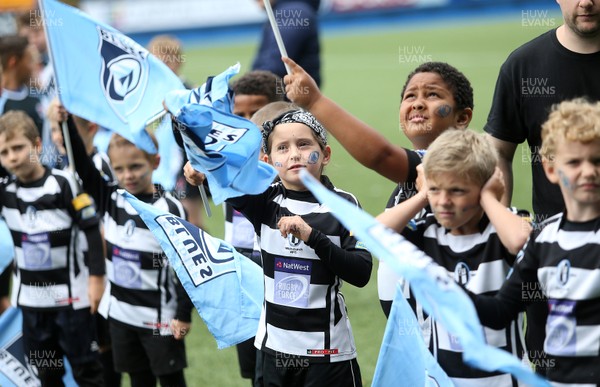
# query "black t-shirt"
(535, 76)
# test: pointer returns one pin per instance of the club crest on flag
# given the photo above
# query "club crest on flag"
(124, 72)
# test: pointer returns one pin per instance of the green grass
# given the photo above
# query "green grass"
(364, 73)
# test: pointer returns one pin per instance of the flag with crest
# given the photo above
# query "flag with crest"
(105, 76)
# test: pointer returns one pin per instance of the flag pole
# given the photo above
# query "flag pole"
(64, 127)
(275, 29)
(204, 198)
(68, 147)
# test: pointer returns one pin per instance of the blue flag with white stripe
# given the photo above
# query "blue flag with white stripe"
(7, 247)
(103, 75)
(403, 354)
(225, 287)
(224, 147)
(439, 295)
(18, 369)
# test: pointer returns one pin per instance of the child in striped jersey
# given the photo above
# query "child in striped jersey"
(238, 230)
(87, 130)
(148, 310)
(45, 212)
(304, 332)
(470, 233)
(560, 264)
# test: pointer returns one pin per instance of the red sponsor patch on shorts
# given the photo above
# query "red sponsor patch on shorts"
(333, 351)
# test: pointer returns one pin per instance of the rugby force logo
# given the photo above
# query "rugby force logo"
(124, 74)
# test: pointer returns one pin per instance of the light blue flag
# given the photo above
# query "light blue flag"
(171, 156)
(225, 147)
(403, 354)
(439, 295)
(225, 287)
(214, 92)
(17, 369)
(103, 75)
(7, 249)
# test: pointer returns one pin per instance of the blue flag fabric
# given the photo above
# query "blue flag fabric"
(225, 147)
(15, 369)
(215, 92)
(103, 75)
(403, 354)
(171, 156)
(225, 287)
(7, 249)
(439, 295)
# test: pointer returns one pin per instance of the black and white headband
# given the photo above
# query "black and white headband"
(298, 116)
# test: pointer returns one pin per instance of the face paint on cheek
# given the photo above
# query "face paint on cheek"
(469, 208)
(145, 175)
(278, 164)
(564, 180)
(444, 111)
(313, 157)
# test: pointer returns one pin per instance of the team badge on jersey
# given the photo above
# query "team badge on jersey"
(462, 273)
(129, 228)
(292, 240)
(124, 73)
(31, 216)
(563, 270)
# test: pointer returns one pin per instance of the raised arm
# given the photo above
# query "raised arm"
(506, 152)
(513, 230)
(92, 180)
(365, 144)
(398, 216)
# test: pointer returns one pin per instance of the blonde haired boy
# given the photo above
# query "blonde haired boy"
(561, 257)
(469, 233)
(56, 286)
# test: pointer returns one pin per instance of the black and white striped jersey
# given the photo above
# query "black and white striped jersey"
(44, 219)
(142, 284)
(387, 279)
(304, 313)
(239, 232)
(480, 263)
(143, 290)
(102, 163)
(562, 261)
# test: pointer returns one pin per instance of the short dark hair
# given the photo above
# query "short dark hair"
(457, 81)
(259, 82)
(12, 45)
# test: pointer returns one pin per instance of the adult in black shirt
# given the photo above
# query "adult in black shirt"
(558, 65)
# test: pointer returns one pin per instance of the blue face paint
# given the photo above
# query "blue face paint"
(313, 157)
(278, 164)
(564, 180)
(444, 111)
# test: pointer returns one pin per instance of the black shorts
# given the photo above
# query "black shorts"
(48, 335)
(5, 281)
(289, 371)
(136, 350)
(246, 352)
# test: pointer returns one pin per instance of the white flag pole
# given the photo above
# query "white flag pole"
(275, 29)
